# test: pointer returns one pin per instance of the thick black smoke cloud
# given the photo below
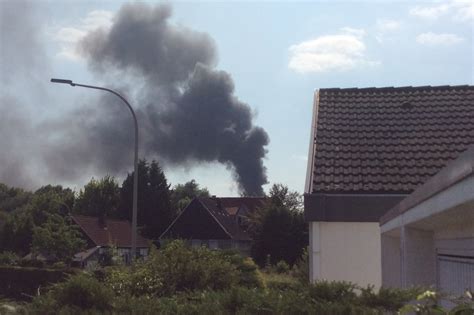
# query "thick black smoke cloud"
(187, 110)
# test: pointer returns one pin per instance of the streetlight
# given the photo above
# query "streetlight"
(135, 177)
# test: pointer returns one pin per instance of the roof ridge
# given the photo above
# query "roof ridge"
(397, 88)
(93, 217)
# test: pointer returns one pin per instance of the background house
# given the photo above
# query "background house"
(101, 234)
(369, 149)
(219, 223)
(428, 238)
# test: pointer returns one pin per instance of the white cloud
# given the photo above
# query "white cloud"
(459, 10)
(68, 37)
(358, 32)
(387, 25)
(385, 28)
(432, 12)
(438, 39)
(329, 53)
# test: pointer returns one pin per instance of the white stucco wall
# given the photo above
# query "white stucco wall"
(346, 251)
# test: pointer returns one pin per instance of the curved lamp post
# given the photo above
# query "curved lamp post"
(135, 177)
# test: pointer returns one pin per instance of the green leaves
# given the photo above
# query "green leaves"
(155, 212)
(183, 194)
(278, 228)
(98, 198)
(57, 238)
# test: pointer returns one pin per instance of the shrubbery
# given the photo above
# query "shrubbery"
(178, 268)
(236, 300)
(181, 280)
(79, 292)
(9, 258)
(249, 275)
(19, 283)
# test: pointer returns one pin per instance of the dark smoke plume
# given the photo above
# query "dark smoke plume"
(22, 60)
(187, 110)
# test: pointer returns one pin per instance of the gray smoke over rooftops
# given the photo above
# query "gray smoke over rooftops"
(187, 110)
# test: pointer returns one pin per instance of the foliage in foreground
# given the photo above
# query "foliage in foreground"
(178, 268)
(87, 294)
(183, 280)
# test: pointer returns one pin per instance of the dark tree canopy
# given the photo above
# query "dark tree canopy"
(99, 198)
(12, 198)
(281, 195)
(50, 200)
(16, 233)
(278, 228)
(182, 194)
(155, 212)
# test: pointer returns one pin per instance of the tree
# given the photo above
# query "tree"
(57, 238)
(12, 198)
(278, 228)
(99, 198)
(182, 194)
(50, 200)
(16, 233)
(280, 194)
(155, 212)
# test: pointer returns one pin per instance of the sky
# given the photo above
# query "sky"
(268, 57)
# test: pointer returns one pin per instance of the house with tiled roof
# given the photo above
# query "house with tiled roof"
(104, 233)
(369, 149)
(218, 223)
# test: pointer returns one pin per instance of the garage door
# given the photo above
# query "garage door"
(455, 274)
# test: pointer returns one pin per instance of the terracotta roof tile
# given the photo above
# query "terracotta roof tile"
(117, 232)
(389, 140)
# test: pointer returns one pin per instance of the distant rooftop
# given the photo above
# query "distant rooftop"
(116, 232)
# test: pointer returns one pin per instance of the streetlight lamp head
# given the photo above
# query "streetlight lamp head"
(62, 81)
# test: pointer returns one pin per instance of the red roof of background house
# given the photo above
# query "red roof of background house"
(388, 140)
(232, 204)
(116, 232)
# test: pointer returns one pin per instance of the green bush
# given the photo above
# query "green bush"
(249, 274)
(300, 269)
(177, 268)
(282, 267)
(140, 281)
(20, 282)
(333, 291)
(182, 280)
(9, 258)
(390, 299)
(80, 291)
(282, 282)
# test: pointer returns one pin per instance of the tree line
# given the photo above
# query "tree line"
(39, 220)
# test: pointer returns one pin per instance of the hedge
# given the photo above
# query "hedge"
(21, 282)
